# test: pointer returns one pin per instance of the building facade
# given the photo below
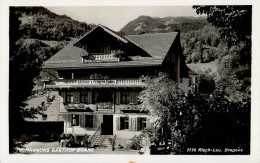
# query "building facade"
(100, 78)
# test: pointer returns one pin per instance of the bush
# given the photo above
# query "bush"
(195, 56)
(24, 138)
(135, 142)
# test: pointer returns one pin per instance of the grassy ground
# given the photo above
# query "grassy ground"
(52, 110)
(196, 67)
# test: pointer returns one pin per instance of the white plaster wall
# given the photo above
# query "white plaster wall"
(79, 130)
(185, 85)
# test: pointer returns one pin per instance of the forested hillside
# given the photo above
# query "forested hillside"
(200, 40)
(40, 23)
(44, 31)
(39, 33)
(147, 24)
(202, 45)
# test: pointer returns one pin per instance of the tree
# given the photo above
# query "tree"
(206, 120)
(234, 21)
(235, 24)
(25, 65)
(223, 123)
(207, 81)
(174, 114)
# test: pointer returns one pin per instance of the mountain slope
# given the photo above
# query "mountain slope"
(40, 23)
(147, 24)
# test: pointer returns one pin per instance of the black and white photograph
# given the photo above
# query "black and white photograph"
(138, 81)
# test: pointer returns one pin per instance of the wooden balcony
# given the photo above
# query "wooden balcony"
(95, 84)
(105, 107)
(101, 57)
(98, 107)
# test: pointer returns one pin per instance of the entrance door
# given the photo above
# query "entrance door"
(107, 125)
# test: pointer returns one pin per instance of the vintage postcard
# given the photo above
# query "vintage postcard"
(132, 82)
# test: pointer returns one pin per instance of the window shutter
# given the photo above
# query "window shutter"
(128, 97)
(118, 97)
(134, 124)
(69, 119)
(130, 124)
(132, 97)
(76, 96)
(138, 124)
(89, 97)
(65, 119)
(82, 120)
(117, 123)
(72, 97)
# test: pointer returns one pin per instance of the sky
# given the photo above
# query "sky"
(116, 17)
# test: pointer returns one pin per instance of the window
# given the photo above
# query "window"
(124, 95)
(105, 48)
(89, 121)
(124, 123)
(129, 97)
(84, 96)
(141, 123)
(75, 120)
(69, 97)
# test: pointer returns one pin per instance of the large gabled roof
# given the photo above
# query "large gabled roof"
(156, 45)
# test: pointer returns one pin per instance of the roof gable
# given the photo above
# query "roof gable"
(109, 31)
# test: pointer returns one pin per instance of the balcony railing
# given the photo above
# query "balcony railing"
(95, 83)
(105, 107)
(75, 106)
(98, 107)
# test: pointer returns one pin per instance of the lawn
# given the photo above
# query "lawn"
(52, 110)
(197, 67)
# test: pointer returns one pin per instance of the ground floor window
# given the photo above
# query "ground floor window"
(141, 123)
(124, 123)
(131, 123)
(75, 120)
(89, 121)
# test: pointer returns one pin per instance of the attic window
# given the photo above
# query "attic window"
(105, 48)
